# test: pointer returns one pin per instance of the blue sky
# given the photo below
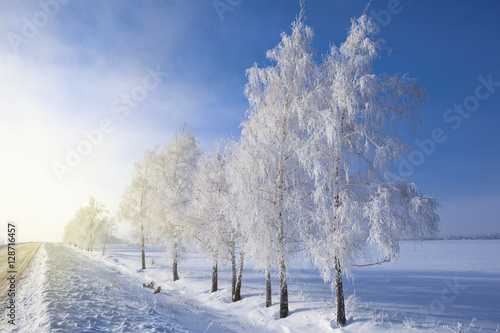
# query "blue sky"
(80, 59)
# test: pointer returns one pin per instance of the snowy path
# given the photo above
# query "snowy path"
(80, 295)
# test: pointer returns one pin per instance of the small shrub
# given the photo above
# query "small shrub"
(150, 285)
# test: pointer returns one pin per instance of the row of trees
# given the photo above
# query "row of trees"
(311, 170)
(90, 226)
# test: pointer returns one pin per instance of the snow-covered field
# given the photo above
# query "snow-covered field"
(433, 285)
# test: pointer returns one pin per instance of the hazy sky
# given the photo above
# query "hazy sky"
(73, 70)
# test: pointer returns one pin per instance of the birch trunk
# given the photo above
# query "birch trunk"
(269, 300)
(214, 276)
(283, 291)
(143, 252)
(233, 267)
(237, 290)
(339, 289)
(143, 257)
(174, 268)
(339, 294)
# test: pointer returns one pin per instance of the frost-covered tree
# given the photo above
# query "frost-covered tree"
(272, 183)
(88, 225)
(245, 213)
(94, 218)
(233, 211)
(211, 227)
(172, 168)
(134, 206)
(107, 228)
(351, 120)
(74, 233)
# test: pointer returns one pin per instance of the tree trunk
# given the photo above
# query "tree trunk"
(233, 268)
(237, 290)
(92, 240)
(143, 255)
(269, 300)
(143, 246)
(339, 289)
(214, 276)
(283, 291)
(107, 232)
(174, 269)
(339, 294)
(278, 199)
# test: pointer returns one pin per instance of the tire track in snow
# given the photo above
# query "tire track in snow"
(80, 295)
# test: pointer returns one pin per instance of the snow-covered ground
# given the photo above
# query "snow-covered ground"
(433, 285)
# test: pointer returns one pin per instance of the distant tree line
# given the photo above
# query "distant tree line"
(91, 226)
(466, 237)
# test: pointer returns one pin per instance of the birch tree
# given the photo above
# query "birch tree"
(212, 228)
(107, 228)
(273, 181)
(351, 120)
(240, 210)
(172, 167)
(94, 217)
(233, 209)
(74, 233)
(135, 206)
(88, 225)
